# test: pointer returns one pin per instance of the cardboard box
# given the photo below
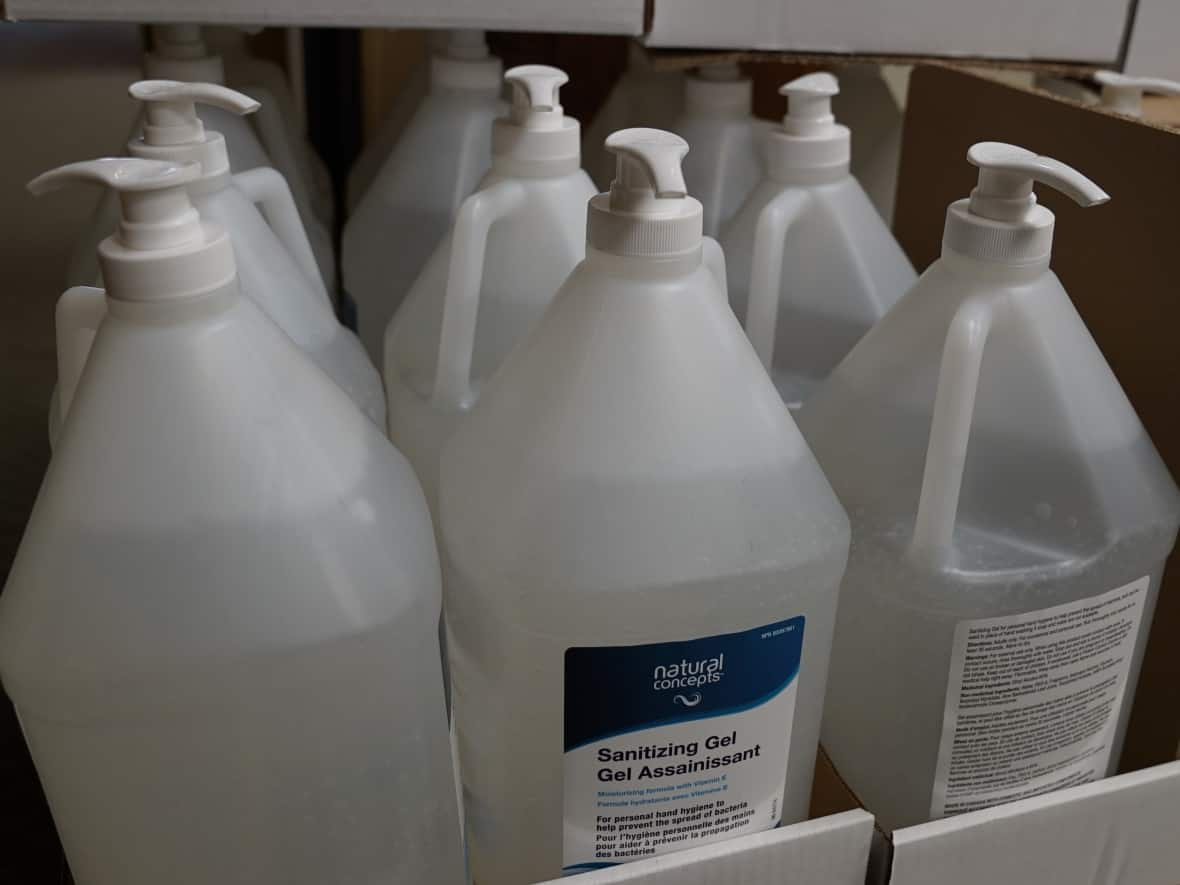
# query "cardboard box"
(1068, 30)
(830, 849)
(572, 16)
(1153, 46)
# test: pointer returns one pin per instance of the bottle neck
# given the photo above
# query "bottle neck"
(644, 267)
(471, 75)
(993, 271)
(173, 310)
(518, 152)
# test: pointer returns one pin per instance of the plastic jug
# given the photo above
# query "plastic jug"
(179, 53)
(641, 559)
(276, 267)
(411, 90)
(281, 121)
(219, 629)
(811, 264)
(513, 243)
(642, 96)
(725, 163)
(1124, 94)
(1010, 521)
(436, 164)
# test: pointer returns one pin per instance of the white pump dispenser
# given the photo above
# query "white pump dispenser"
(1000, 484)
(426, 171)
(179, 53)
(225, 564)
(1124, 94)
(642, 96)
(629, 493)
(811, 263)
(276, 267)
(726, 159)
(513, 243)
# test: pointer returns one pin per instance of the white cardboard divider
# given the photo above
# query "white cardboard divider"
(1123, 830)
(575, 16)
(1152, 48)
(830, 850)
(1056, 30)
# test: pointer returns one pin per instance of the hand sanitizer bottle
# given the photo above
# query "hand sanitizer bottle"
(641, 561)
(513, 243)
(276, 266)
(812, 266)
(725, 163)
(1011, 519)
(219, 629)
(435, 165)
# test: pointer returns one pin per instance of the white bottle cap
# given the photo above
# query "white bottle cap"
(179, 53)
(810, 147)
(718, 89)
(160, 249)
(1001, 220)
(648, 210)
(1124, 94)
(172, 130)
(536, 138)
(460, 60)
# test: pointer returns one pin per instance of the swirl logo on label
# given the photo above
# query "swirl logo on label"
(689, 701)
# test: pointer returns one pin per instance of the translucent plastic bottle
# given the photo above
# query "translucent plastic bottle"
(641, 559)
(276, 266)
(219, 629)
(727, 141)
(1010, 522)
(811, 264)
(513, 243)
(436, 164)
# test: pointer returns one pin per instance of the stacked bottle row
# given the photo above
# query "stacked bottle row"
(221, 629)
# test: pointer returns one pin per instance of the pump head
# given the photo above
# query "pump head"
(536, 138)
(648, 210)
(1124, 94)
(810, 147)
(173, 131)
(160, 247)
(1001, 220)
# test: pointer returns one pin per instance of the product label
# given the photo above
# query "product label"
(676, 744)
(1033, 700)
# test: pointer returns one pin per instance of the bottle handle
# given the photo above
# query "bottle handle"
(469, 241)
(267, 188)
(950, 430)
(766, 269)
(714, 258)
(80, 311)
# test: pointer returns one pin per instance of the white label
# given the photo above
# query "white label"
(676, 744)
(1033, 700)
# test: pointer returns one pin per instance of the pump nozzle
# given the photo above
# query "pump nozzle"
(1001, 220)
(160, 248)
(648, 210)
(170, 109)
(648, 167)
(534, 95)
(809, 104)
(156, 211)
(1006, 177)
(1124, 94)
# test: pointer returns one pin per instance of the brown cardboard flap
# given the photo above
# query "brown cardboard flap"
(1119, 262)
